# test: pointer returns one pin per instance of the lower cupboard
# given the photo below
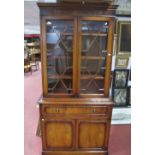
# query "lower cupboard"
(75, 134)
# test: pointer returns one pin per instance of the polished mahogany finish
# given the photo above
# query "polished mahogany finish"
(76, 52)
(75, 126)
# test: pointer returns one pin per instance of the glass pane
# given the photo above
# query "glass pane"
(93, 56)
(59, 38)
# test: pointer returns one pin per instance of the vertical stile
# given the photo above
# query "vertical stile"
(44, 57)
(109, 58)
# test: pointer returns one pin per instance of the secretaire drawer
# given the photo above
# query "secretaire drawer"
(48, 110)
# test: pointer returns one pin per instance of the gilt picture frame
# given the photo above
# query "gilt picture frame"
(124, 37)
(121, 61)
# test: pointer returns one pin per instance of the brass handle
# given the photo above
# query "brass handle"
(57, 110)
(94, 110)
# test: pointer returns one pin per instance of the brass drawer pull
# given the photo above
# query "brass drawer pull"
(57, 110)
(94, 110)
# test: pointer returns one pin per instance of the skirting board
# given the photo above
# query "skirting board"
(121, 115)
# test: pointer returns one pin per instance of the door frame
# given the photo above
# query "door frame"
(107, 80)
(44, 56)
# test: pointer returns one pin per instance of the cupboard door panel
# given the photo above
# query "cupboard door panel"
(92, 134)
(58, 134)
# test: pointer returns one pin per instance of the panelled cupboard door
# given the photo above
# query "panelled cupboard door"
(58, 134)
(92, 134)
(58, 52)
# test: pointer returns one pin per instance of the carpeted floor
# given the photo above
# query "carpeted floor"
(120, 141)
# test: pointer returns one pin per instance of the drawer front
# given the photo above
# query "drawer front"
(92, 110)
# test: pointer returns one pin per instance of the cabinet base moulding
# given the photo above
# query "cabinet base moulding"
(74, 153)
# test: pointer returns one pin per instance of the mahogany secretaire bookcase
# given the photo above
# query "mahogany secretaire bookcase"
(76, 53)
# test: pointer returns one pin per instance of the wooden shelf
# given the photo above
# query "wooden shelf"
(59, 76)
(49, 52)
(87, 77)
(53, 67)
(85, 51)
(86, 67)
(83, 77)
(94, 34)
(93, 57)
(87, 90)
(61, 57)
(68, 89)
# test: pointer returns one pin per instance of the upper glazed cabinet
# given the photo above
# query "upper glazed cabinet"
(76, 55)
